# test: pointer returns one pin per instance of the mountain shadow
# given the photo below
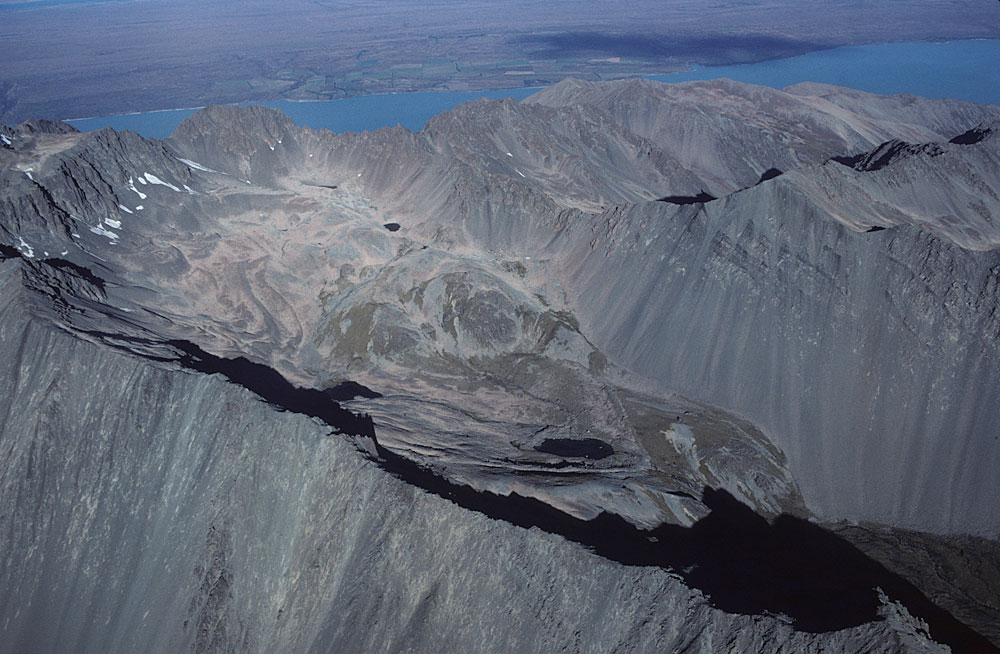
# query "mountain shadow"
(742, 562)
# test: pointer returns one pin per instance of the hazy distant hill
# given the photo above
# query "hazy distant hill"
(77, 59)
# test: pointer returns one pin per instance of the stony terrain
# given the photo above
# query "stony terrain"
(646, 319)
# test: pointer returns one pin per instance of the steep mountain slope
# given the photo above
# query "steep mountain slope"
(529, 332)
(729, 133)
(881, 346)
(155, 509)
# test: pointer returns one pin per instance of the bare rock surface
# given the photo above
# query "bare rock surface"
(539, 342)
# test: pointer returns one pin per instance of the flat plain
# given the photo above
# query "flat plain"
(75, 59)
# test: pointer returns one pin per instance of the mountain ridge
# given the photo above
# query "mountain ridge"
(766, 344)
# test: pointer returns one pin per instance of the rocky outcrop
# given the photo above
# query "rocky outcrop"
(729, 133)
(550, 357)
(155, 509)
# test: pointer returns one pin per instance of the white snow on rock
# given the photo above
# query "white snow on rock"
(197, 166)
(153, 179)
(124, 208)
(141, 180)
(104, 232)
(3, 137)
(131, 185)
(681, 437)
(25, 249)
(139, 208)
(116, 224)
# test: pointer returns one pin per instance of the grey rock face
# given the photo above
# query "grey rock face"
(152, 509)
(552, 348)
(878, 345)
(729, 133)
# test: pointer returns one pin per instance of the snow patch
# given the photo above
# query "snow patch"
(519, 172)
(104, 232)
(124, 208)
(197, 166)
(116, 224)
(25, 249)
(681, 438)
(3, 137)
(27, 171)
(509, 154)
(141, 180)
(131, 185)
(190, 190)
(153, 179)
(64, 253)
(270, 146)
(139, 208)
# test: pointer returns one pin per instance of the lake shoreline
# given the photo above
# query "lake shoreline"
(959, 69)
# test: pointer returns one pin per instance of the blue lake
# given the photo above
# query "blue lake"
(368, 112)
(966, 70)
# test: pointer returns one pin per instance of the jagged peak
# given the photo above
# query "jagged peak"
(975, 135)
(44, 126)
(474, 110)
(7, 136)
(893, 150)
(224, 119)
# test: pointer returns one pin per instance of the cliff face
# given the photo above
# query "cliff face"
(554, 326)
(149, 508)
(881, 346)
(728, 133)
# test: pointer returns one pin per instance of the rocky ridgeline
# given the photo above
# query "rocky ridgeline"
(629, 308)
